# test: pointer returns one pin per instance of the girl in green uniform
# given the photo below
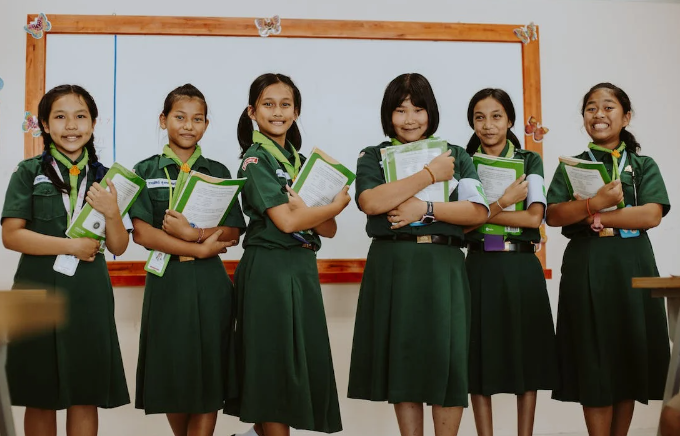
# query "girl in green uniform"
(512, 337)
(612, 340)
(413, 317)
(186, 315)
(284, 365)
(77, 367)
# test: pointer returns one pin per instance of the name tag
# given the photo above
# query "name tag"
(159, 183)
(41, 179)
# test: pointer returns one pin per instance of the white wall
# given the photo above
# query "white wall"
(634, 45)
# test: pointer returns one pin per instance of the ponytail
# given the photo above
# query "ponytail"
(632, 146)
(244, 132)
(293, 136)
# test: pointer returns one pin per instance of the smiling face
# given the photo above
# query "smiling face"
(410, 122)
(70, 125)
(491, 124)
(186, 123)
(604, 118)
(274, 112)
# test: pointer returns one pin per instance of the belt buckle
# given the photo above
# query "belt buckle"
(606, 232)
(186, 258)
(507, 246)
(424, 239)
(308, 246)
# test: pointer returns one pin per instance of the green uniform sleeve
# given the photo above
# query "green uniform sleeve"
(142, 207)
(558, 191)
(263, 189)
(369, 171)
(18, 199)
(651, 188)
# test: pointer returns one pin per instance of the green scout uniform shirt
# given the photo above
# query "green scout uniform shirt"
(642, 177)
(264, 189)
(31, 196)
(370, 174)
(533, 168)
(154, 199)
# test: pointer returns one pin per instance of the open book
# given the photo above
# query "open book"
(205, 201)
(401, 161)
(321, 178)
(585, 178)
(91, 223)
(496, 174)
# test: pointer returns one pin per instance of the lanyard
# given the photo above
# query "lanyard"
(78, 206)
(184, 169)
(616, 171)
(167, 176)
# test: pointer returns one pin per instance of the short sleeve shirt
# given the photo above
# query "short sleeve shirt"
(533, 168)
(154, 199)
(641, 180)
(370, 174)
(266, 188)
(32, 196)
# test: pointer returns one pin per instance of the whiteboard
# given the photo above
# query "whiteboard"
(342, 82)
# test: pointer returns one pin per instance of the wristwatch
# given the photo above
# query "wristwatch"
(428, 218)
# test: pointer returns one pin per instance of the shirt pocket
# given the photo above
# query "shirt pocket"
(160, 202)
(47, 202)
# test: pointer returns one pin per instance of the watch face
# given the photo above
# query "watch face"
(427, 219)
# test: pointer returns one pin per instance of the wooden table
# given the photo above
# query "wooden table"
(668, 287)
(22, 313)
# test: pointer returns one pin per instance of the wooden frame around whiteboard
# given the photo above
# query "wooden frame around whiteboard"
(292, 28)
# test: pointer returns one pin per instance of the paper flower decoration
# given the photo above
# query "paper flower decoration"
(535, 129)
(37, 27)
(268, 26)
(527, 33)
(31, 125)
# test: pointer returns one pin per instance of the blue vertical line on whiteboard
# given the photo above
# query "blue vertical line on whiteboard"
(115, 86)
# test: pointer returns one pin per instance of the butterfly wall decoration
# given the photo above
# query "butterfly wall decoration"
(31, 125)
(527, 33)
(268, 26)
(534, 128)
(38, 26)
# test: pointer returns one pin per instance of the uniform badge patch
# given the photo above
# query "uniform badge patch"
(249, 161)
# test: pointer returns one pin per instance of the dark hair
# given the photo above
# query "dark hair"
(416, 87)
(632, 146)
(244, 131)
(44, 109)
(501, 97)
(185, 91)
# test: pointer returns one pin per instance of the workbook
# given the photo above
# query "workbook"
(321, 178)
(584, 178)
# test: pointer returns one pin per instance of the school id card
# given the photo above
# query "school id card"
(157, 263)
(66, 264)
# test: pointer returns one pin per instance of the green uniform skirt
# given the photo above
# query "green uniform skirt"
(283, 366)
(412, 326)
(184, 338)
(612, 339)
(512, 337)
(80, 362)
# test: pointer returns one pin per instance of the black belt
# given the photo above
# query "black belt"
(517, 247)
(422, 239)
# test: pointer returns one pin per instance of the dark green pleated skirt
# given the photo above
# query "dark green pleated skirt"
(412, 326)
(80, 362)
(282, 365)
(512, 337)
(612, 339)
(184, 338)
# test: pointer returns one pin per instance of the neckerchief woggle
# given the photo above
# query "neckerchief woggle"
(617, 168)
(74, 201)
(184, 169)
(509, 154)
(276, 153)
